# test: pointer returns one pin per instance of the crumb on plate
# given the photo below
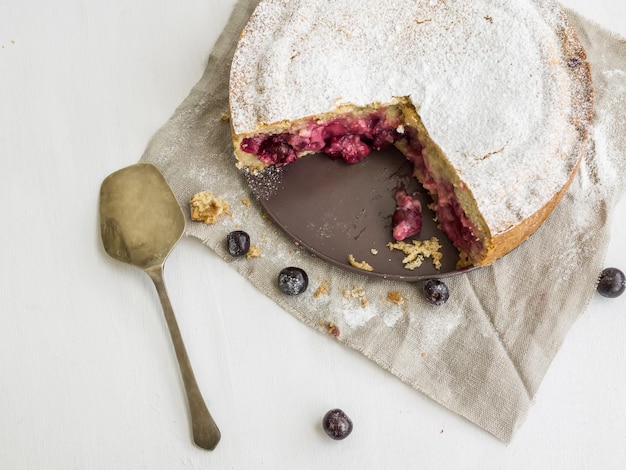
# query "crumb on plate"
(417, 251)
(359, 264)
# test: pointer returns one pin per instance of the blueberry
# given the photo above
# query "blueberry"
(238, 243)
(293, 281)
(612, 283)
(337, 424)
(436, 291)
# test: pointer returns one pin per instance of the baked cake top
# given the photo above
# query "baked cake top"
(502, 86)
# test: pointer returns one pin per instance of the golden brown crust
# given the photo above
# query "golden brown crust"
(583, 101)
(504, 242)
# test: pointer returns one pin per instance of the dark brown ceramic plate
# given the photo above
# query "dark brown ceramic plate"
(334, 209)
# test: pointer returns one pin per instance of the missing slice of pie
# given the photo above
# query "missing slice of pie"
(490, 100)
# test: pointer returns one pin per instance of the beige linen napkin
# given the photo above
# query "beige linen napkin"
(484, 353)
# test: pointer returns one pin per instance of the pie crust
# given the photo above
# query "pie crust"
(491, 99)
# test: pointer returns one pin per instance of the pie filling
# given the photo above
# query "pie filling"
(406, 220)
(352, 138)
(452, 218)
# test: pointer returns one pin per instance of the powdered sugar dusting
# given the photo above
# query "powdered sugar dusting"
(355, 317)
(504, 116)
(435, 328)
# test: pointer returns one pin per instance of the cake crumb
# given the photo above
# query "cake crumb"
(245, 201)
(417, 251)
(374, 251)
(207, 207)
(359, 264)
(254, 252)
(331, 328)
(225, 117)
(323, 289)
(395, 297)
(357, 293)
(424, 354)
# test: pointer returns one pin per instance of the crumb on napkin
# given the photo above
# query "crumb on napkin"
(254, 252)
(207, 207)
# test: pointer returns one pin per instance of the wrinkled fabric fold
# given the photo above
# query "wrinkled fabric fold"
(484, 353)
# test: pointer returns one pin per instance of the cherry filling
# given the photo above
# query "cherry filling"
(350, 138)
(454, 222)
(407, 218)
(451, 217)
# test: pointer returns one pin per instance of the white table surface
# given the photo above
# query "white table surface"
(88, 378)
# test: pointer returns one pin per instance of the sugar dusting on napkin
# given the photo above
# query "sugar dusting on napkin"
(485, 352)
